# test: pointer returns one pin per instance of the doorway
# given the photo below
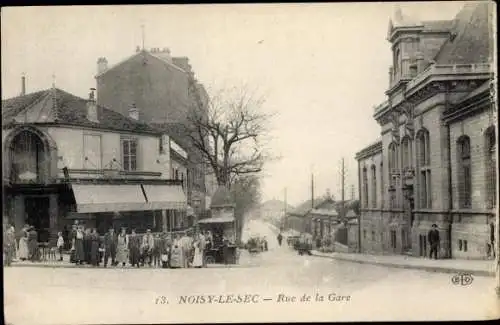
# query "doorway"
(37, 215)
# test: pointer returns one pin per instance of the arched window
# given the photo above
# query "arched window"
(381, 184)
(374, 186)
(393, 162)
(407, 152)
(397, 62)
(365, 187)
(464, 172)
(26, 158)
(491, 167)
(424, 169)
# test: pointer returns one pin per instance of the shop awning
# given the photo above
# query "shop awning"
(165, 197)
(217, 220)
(91, 198)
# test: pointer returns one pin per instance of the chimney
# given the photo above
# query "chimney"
(92, 107)
(102, 65)
(133, 112)
(23, 85)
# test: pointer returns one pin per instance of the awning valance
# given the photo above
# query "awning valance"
(165, 197)
(91, 198)
(217, 220)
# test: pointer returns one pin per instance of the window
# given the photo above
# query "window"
(382, 184)
(424, 172)
(129, 154)
(459, 244)
(397, 62)
(393, 238)
(364, 233)
(373, 235)
(464, 172)
(465, 246)
(491, 167)
(374, 186)
(393, 161)
(365, 187)
(406, 152)
(92, 151)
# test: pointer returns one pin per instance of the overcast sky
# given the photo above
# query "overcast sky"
(322, 67)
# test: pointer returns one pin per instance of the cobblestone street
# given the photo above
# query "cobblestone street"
(66, 295)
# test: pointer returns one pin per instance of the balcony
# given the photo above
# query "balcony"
(449, 69)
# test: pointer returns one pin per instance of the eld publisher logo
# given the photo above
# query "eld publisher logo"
(463, 279)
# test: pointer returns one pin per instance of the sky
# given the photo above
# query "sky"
(322, 68)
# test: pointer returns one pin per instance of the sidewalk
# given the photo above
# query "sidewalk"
(475, 267)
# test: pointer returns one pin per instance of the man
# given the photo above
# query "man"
(147, 246)
(280, 238)
(433, 238)
(134, 246)
(9, 245)
(110, 242)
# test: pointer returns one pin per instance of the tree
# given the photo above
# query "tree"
(230, 132)
(246, 194)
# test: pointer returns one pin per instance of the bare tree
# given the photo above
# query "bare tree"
(231, 133)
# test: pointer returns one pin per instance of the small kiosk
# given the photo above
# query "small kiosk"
(222, 226)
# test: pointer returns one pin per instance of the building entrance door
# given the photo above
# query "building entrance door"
(37, 212)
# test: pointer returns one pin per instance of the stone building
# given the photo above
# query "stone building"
(66, 157)
(435, 162)
(162, 89)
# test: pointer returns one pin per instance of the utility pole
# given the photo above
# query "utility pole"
(142, 30)
(284, 211)
(343, 173)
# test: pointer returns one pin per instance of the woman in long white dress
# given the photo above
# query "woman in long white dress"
(23, 251)
(122, 248)
(198, 256)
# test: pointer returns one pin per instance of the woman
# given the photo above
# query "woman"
(87, 245)
(23, 244)
(122, 248)
(176, 257)
(78, 246)
(134, 245)
(34, 252)
(94, 248)
(165, 251)
(198, 256)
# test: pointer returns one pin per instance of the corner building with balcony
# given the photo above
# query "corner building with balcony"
(435, 162)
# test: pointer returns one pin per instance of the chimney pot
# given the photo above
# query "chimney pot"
(102, 65)
(133, 112)
(23, 85)
(92, 107)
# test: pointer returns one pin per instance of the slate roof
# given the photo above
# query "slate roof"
(70, 109)
(437, 25)
(473, 41)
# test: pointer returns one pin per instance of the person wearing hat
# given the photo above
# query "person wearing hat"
(433, 238)
(110, 241)
(134, 246)
(147, 246)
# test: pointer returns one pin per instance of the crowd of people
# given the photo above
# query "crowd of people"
(87, 247)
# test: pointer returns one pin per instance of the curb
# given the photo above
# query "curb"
(414, 267)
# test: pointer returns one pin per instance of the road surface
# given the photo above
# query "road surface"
(266, 287)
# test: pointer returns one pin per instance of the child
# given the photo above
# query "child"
(60, 245)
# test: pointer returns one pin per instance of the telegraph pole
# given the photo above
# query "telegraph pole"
(284, 211)
(342, 180)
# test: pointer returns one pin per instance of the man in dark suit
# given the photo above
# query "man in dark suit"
(110, 242)
(433, 238)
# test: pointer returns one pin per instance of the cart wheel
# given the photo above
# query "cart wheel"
(209, 260)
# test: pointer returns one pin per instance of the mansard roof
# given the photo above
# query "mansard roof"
(472, 36)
